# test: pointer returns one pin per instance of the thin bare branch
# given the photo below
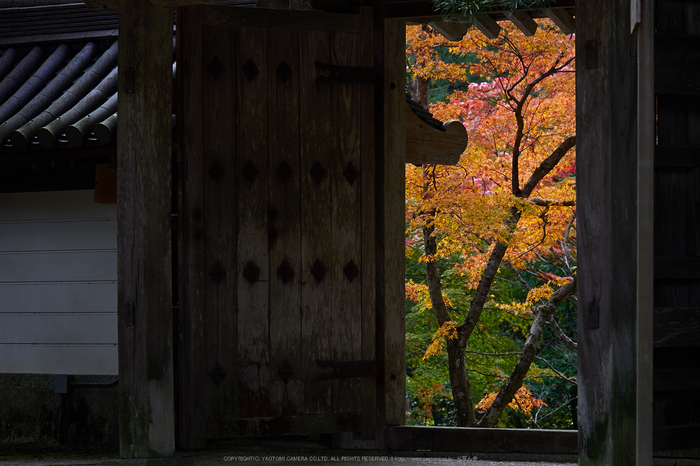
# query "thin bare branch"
(571, 343)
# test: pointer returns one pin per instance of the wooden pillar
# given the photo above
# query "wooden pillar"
(390, 43)
(646, 142)
(606, 88)
(146, 404)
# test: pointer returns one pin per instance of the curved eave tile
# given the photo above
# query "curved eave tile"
(62, 98)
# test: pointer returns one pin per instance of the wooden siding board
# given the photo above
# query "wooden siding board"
(677, 244)
(192, 370)
(346, 223)
(316, 247)
(674, 214)
(284, 234)
(676, 327)
(220, 207)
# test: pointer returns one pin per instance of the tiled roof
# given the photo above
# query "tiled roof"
(58, 76)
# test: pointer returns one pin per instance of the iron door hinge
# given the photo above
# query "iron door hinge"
(344, 74)
(346, 369)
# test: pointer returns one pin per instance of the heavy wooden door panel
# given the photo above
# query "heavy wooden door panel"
(278, 209)
(676, 227)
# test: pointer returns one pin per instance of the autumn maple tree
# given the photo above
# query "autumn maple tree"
(506, 211)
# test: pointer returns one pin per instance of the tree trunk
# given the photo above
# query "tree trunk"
(515, 381)
(459, 381)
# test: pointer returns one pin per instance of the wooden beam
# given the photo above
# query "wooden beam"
(606, 116)
(425, 144)
(146, 400)
(451, 31)
(562, 19)
(390, 44)
(643, 21)
(524, 22)
(113, 5)
(488, 26)
(289, 19)
(480, 440)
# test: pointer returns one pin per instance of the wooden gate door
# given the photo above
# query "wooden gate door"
(676, 355)
(277, 250)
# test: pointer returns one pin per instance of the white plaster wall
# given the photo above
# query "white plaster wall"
(58, 284)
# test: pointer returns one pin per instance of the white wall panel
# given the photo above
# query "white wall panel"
(59, 359)
(57, 266)
(65, 235)
(53, 206)
(76, 328)
(58, 284)
(58, 297)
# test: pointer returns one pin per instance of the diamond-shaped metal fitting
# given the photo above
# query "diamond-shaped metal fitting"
(318, 173)
(215, 68)
(350, 173)
(272, 235)
(217, 272)
(318, 270)
(351, 271)
(216, 171)
(217, 374)
(250, 172)
(251, 272)
(250, 70)
(284, 72)
(284, 171)
(285, 272)
(285, 371)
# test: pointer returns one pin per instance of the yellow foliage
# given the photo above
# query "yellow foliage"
(447, 330)
(469, 204)
(523, 401)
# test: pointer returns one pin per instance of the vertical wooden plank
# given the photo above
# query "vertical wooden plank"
(390, 195)
(607, 193)
(192, 405)
(316, 248)
(253, 257)
(346, 298)
(646, 115)
(147, 424)
(367, 180)
(286, 383)
(220, 335)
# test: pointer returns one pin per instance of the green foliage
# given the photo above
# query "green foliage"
(468, 9)
(492, 352)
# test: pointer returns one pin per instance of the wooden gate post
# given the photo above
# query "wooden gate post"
(606, 140)
(146, 404)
